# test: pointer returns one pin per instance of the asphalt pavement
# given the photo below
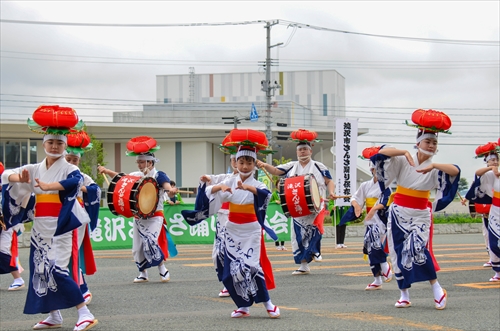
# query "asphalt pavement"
(332, 297)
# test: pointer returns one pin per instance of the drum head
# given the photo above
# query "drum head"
(148, 198)
(316, 197)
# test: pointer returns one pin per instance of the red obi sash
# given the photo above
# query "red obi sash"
(241, 214)
(410, 198)
(370, 202)
(225, 206)
(162, 238)
(496, 199)
(47, 205)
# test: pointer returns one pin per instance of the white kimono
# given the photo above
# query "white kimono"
(52, 238)
(242, 275)
(408, 229)
(490, 184)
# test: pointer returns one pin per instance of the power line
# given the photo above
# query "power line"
(280, 22)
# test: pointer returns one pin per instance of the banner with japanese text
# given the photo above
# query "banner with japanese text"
(346, 141)
(115, 232)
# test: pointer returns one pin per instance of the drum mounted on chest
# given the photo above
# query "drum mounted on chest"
(299, 195)
(133, 196)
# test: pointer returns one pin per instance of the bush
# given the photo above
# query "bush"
(441, 218)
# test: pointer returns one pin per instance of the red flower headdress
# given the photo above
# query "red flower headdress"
(142, 144)
(486, 149)
(303, 136)
(78, 142)
(430, 121)
(54, 120)
(246, 137)
(369, 152)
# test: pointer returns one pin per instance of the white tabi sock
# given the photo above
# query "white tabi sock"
(143, 274)
(437, 290)
(385, 267)
(304, 266)
(377, 280)
(244, 309)
(162, 269)
(55, 317)
(269, 305)
(405, 295)
(19, 281)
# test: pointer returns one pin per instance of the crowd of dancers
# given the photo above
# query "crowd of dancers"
(63, 204)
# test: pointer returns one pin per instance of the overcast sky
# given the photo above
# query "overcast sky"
(386, 78)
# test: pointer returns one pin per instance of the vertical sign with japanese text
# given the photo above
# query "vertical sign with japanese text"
(346, 141)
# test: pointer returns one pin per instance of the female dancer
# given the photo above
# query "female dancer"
(409, 222)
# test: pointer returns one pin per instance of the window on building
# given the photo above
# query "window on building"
(15, 153)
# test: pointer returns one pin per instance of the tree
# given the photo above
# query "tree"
(463, 184)
(90, 160)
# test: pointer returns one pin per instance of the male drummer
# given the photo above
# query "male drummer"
(306, 230)
(146, 249)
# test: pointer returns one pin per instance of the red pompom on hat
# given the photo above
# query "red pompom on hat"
(141, 144)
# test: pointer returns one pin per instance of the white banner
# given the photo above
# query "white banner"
(346, 142)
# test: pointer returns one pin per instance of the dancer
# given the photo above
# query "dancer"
(375, 221)
(56, 184)
(220, 230)
(306, 230)
(409, 223)
(90, 198)
(247, 272)
(9, 259)
(490, 186)
(149, 243)
(481, 201)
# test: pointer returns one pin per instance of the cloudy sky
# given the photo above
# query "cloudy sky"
(448, 59)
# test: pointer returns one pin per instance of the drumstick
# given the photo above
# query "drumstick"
(105, 178)
(104, 175)
(267, 174)
(180, 191)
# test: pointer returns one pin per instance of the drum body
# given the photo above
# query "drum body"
(482, 208)
(299, 195)
(133, 196)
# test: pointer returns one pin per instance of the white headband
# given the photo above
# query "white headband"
(233, 156)
(56, 137)
(147, 158)
(246, 152)
(303, 145)
(427, 135)
(489, 157)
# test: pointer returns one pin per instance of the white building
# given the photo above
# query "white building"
(187, 122)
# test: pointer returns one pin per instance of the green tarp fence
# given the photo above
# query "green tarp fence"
(115, 232)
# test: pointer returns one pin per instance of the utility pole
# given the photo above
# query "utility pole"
(266, 87)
